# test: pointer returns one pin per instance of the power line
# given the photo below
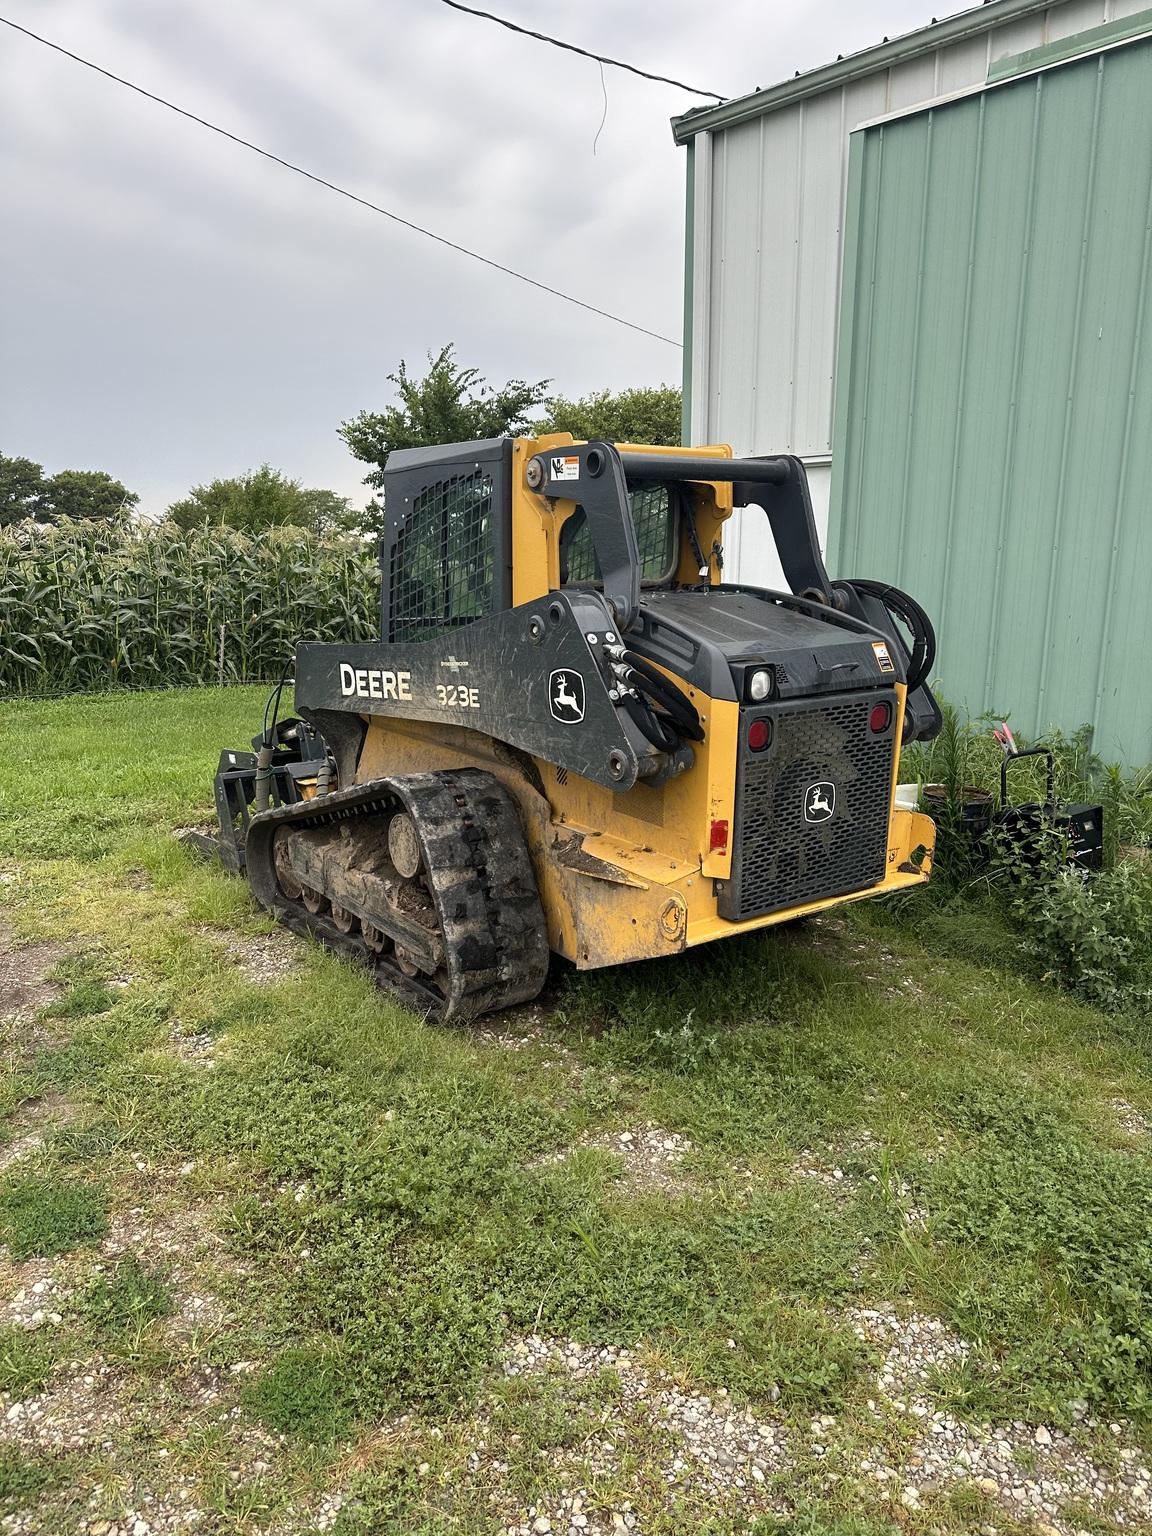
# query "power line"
(599, 58)
(288, 165)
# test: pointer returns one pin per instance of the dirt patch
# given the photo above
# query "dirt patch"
(515, 1029)
(263, 959)
(184, 1248)
(180, 1246)
(196, 1047)
(87, 1409)
(33, 1121)
(36, 1293)
(1130, 1120)
(24, 989)
(847, 1169)
(96, 1408)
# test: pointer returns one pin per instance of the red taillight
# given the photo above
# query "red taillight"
(880, 718)
(718, 837)
(759, 734)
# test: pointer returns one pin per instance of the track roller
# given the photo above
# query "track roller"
(424, 877)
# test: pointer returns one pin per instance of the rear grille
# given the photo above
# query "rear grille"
(812, 809)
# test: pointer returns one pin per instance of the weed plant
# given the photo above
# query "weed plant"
(1093, 931)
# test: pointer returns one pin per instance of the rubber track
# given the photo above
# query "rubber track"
(481, 878)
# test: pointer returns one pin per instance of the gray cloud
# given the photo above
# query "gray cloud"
(172, 308)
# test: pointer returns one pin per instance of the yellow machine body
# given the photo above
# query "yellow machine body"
(628, 874)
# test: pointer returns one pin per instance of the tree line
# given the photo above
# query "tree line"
(448, 403)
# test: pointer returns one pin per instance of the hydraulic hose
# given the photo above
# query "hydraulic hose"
(650, 725)
(263, 785)
(666, 694)
(909, 611)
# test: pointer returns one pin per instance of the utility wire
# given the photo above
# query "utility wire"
(599, 58)
(288, 165)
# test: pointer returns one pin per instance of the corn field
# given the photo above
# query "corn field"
(92, 606)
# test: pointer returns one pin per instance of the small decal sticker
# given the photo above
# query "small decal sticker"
(566, 467)
(453, 664)
(883, 656)
(456, 696)
(566, 697)
(819, 802)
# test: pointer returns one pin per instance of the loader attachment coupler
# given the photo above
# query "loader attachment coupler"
(298, 758)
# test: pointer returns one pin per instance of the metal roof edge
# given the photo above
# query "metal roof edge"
(982, 18)
(1109, 38)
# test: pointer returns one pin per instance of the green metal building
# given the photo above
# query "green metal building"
(991, 420)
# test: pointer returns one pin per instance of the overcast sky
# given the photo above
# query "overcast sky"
(173, 308)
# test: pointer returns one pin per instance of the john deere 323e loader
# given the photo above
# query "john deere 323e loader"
(573, 735)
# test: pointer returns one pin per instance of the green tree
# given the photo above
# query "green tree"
(261, 498)
(22, 486)
(85, 494)
(632, 416)
(327, 509)
(450, 404)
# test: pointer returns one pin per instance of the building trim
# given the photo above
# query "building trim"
(834, 539)
(1095, 39)
(1051, 56)
(689, 267)
(983, 18)
(697, 338)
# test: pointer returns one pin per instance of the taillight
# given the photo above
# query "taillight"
(880, 718)
(718, 837)
(759, 734)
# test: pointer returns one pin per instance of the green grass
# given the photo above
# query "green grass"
(27, 1360)
(100, 771)
(44, 1215)
(126, 1298)
(25, 1478)
(386, 1192)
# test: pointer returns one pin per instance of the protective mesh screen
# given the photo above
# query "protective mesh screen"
(442, 570)
(655, 523)
(781, 858)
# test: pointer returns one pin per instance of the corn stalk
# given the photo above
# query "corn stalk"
(87, 606)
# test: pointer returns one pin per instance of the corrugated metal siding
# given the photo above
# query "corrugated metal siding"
(768, 216)
(994, 452)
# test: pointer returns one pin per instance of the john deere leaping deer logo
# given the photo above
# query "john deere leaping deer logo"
(566, 696)
(819, 802)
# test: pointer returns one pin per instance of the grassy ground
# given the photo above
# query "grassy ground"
(282, 1257)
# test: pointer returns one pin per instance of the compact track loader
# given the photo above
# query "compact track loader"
(574, 736)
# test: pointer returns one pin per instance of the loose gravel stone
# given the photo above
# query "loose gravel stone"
(651, 1157)
(197, 1048)
(842, 1170)
(944, 1450)
(263, 958)
(40, 1296)
(1131, 1121)
(710, 1447)
(86, 1410)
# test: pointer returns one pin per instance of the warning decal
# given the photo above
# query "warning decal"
(566, 467)
(883, 656)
